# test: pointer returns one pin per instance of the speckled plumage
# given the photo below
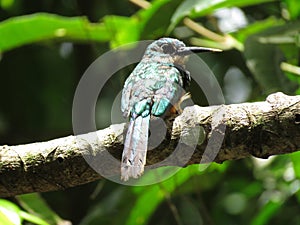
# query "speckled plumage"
(150, 88)
(154, 86)
(154, 82)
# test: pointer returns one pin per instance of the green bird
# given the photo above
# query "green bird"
(154, 89)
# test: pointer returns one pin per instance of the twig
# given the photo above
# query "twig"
(290, 68)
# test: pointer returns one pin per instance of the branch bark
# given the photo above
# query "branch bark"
(198, 135)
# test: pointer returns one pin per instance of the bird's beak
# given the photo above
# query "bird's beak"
(189, 50)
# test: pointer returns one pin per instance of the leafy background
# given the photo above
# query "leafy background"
(47, 45)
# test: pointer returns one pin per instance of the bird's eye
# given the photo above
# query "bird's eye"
(168, 49)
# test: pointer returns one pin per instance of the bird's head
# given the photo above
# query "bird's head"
(170, 50)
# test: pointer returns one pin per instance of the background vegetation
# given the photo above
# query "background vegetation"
(47, 45)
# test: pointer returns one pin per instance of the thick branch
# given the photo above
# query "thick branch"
(222, 133)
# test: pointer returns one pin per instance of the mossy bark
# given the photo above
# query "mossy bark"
(198, 135)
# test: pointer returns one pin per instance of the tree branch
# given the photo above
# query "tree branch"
(199, 134)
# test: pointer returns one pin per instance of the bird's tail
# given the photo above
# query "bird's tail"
(135, 148)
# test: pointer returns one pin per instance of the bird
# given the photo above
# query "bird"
(155, 88)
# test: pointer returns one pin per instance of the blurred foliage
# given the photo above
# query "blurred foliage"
(46, 46)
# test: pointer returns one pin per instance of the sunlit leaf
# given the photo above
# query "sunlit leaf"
(15, 215)
(10, 213)
(5, 219)
(123, 30)
(18, 31)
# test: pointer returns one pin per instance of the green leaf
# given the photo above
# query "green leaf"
(264, 56)
(33, 219)
(160, 10)
(13, 215)
(263, 60)
(5, 220)
(9, 213)
(195, 8)
(284, 34)
(266, 213)
(18, 31)
(143, 24)
(35, 204)
(256, 27)
(153, 195)
(293, 8)
(123, 30)
(102, 211)
(190, 214)
(6, 4)
(295, 157)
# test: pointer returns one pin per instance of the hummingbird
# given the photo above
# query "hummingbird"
(155, 88)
